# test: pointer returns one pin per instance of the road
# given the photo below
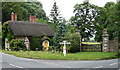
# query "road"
(10, 61)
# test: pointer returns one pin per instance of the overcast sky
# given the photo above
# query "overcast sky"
(66, 6)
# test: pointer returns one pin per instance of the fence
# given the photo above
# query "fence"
(91, 47)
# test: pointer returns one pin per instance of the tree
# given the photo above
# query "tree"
(107, 20)
(55, 17)
(8, 8)
(85, 14)
(59, 34)
(117, 17)
(73, 38)
(23, 9)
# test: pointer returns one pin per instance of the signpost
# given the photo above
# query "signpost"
(64, 48)
(26, 41)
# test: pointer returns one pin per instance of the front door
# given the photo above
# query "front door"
(46, 45)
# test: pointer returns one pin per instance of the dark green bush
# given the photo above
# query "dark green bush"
(74, 49)
(35, 42)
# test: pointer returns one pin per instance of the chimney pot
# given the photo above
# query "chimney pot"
(15, 17)
(32, 18)
(12, 16)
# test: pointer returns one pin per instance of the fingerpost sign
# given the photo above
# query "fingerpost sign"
(64, 48)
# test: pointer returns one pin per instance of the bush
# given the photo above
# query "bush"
(17, 44)
(15, 49)
(74, 39)
(50, 48)
(35, 42)
(74, 49)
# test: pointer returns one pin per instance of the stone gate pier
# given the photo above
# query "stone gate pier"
(109, 45)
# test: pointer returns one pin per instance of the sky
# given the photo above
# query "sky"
(66, 6)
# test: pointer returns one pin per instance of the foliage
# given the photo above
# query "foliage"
(85, 14)
(17, 44)
(117, 18)
(55, 17)
(107, 19)
(35, 42)
(23, 9)
(57, 23)
(51, 47)
(6, 33)
(41, 20)
(74, 39)
(59, 35)
(8, 8)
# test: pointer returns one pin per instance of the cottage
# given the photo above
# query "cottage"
(21, 29)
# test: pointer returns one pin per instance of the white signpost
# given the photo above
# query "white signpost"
(64, 48)
(26, 41)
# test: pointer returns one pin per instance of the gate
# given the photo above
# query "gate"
(91, 47)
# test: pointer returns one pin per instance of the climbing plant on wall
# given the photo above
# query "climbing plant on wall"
(6, 33)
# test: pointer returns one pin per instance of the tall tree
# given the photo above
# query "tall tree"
(58, 25)
(100, 24)
(117, 17)
(59, 34)
(55, 16)
(85, 14)
(106, 20)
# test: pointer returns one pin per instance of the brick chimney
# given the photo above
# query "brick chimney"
(30, 18)
(34, 18)
(12, 16)
(15, 17)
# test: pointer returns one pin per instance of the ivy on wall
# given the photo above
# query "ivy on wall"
(6, 33)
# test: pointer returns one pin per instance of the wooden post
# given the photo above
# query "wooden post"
(36, 50)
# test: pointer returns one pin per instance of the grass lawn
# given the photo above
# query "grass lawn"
(69, 56)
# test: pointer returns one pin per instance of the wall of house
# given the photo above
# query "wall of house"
(7, 45)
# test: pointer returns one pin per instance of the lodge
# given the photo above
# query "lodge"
(21, 29)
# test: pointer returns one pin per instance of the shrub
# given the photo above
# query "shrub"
(74, 49)
(35, 42)
(17, 44)
(51, 47)
(74, 39)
